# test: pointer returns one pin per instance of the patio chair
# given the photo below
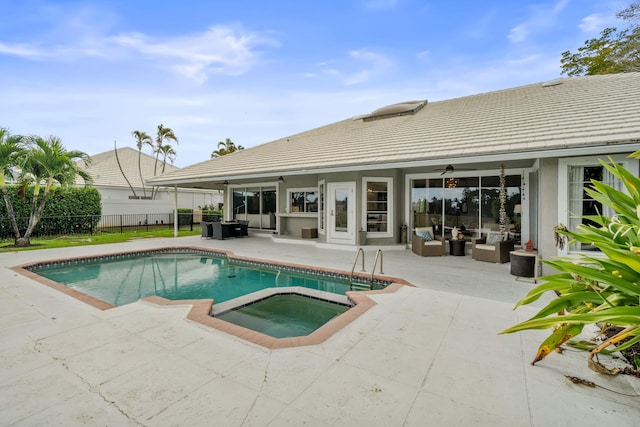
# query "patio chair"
(425, 243)
(492, 248)
(220, 231)
(207, 230)
(244, 228)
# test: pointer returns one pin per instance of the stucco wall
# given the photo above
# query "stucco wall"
(115, 201)
(548, 209)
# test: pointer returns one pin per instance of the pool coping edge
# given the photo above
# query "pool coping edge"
(202, 309)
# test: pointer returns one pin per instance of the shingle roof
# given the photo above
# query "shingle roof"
(105, 171)
(570, 112)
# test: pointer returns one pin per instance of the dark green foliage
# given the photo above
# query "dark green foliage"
(211, 216)
(185, 216)
(614, 52)
(69, 210)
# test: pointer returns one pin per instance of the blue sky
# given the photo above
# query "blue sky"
(91, 72)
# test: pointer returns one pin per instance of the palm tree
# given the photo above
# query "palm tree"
(169, 153)
(162, 135)
(142, 139)
(46, 163)
(11, 155)
(226, 147)
(124, 175)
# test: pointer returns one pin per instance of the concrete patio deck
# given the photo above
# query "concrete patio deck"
(424, 356)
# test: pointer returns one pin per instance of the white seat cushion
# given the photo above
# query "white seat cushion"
(433, 243)
(485, 247)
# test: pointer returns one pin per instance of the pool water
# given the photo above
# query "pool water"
(284, 315)
(177, 276)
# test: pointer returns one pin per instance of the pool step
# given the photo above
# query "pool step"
(360, 286)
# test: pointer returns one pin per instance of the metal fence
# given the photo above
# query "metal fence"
(90, 224)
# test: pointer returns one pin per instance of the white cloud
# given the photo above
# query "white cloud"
(219, 50)
(519, 33)
(21, 50)
(596, 22)
(424, 55)
(540, 19)
(362, 66)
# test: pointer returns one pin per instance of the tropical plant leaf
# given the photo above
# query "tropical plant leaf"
(558, 283)
(562, 334)
(573, 299)
(602, 288)
(621, 316)
(596, 275)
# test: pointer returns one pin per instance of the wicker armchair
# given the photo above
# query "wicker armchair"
(495, 251)
(423, 247)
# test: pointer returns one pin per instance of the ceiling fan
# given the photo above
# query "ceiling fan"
(447, 169)
(451, 169)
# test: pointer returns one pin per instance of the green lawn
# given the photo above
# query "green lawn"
(92, 239)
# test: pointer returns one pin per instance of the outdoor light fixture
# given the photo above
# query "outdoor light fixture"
(280, 178)
(226, 182)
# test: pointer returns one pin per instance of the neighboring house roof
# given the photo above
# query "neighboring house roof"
(105, 171)
(547, 117)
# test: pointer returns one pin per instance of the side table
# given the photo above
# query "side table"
(457, 247)
(523, 264)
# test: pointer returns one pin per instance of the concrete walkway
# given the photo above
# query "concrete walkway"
(424, 356)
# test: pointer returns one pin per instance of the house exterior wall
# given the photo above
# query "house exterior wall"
(553, 203)
(291, 223)
(547, 210)
(115, 201)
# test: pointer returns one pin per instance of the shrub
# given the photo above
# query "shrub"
(596, 289)
(68, 210)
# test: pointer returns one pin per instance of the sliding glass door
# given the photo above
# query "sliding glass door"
(256, 205)
(470, 204)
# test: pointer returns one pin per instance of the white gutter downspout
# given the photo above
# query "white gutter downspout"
(175, 210)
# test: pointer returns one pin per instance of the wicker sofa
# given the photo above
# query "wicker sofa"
(492, 248)
(427, 246)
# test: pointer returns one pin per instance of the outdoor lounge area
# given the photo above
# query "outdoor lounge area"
(224, 230)
(492, 248)
(404, 361)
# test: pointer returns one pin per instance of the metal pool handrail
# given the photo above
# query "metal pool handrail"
(360, 251)
(373, 270)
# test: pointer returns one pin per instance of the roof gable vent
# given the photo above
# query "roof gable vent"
(394, 110)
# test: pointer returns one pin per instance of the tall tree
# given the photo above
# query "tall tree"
(162, 135)
(12, 153)
(631, 13)
(613, 52)
(168, 153)
(46, 163)
(226, 147)
(142, 139)
(124, 175)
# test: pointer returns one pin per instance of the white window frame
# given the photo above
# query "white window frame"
(390, 207)
(563, 185)
(290, 191)
(322, 211)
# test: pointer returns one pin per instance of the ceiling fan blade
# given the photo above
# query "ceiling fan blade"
(449, 168)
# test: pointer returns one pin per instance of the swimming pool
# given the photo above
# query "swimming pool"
(284, 315)
(198, 277)
(182, 275)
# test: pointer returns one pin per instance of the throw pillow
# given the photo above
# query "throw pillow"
(425, 235)
(493, 238)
